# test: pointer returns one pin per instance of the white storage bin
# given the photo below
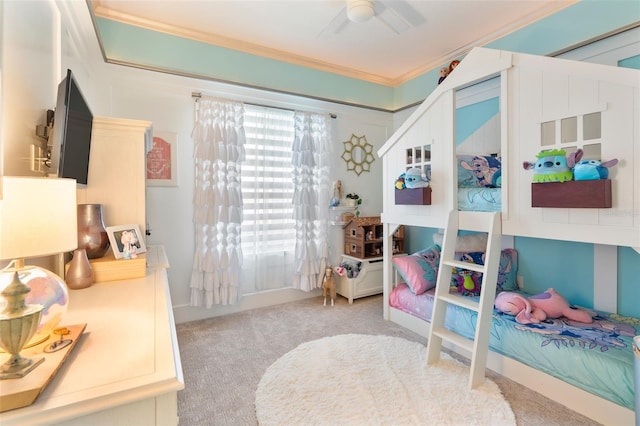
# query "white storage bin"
(367, 283)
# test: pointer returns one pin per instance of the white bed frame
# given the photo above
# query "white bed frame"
(533, 90)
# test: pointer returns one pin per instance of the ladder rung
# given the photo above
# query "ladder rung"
(464, 265)
(452, 337)
(462, 301)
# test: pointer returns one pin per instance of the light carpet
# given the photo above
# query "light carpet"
(357, 379)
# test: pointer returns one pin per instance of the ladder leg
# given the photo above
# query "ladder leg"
(487, 299)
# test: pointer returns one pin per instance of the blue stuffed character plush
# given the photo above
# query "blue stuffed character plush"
(593, 169)
(413, 178)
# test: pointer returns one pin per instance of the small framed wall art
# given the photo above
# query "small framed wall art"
(162, 160)
(126, 241)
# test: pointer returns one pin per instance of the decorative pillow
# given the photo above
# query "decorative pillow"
(479, 171)
(469, 282)
(419, 270)
(465, 242)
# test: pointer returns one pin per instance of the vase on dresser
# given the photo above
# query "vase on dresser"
(80, 274)
(92, 235)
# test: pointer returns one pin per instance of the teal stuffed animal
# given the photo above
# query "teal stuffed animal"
(414, 178)
(553, 166)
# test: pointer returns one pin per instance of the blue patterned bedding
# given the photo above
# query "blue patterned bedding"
(480, 199)
(597, 357)
(479, 182)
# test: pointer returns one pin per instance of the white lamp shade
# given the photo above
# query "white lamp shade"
(38, 216)
(360, 10)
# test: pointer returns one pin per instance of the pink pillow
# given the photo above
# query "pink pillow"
(419, 270)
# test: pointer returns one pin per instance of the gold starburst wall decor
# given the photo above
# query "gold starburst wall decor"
(358, 154)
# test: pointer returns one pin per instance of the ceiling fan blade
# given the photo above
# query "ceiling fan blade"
(336, 25)
(392, 20)
(398, 14)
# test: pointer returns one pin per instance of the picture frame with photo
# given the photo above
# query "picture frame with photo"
(127, 241)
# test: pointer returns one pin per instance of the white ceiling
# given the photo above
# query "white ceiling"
(316, 33)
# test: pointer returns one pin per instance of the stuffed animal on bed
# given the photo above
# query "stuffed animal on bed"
(537, 308)
(553, 165)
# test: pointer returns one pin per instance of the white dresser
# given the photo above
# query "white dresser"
(125, 368)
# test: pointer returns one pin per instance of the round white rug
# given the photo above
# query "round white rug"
(356, 379)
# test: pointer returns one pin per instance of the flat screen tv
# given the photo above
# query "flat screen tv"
(72, 126)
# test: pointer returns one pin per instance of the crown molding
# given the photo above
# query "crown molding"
(238, 45)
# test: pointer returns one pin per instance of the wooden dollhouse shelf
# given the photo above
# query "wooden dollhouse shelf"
(572, 194)
(414, 196)
(363, 238)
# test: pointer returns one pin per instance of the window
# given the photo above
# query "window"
(268, 228)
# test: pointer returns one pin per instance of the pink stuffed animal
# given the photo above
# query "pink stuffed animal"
(539, 307)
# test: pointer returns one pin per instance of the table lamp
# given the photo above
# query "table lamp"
(37, 218)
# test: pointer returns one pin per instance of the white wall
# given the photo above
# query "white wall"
(40, 40)
(29, 74)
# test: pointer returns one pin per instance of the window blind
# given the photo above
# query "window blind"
(268, 233)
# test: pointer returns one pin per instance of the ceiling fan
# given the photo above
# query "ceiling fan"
(397, 15)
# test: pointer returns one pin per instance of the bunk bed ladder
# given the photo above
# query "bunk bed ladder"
(489, 222)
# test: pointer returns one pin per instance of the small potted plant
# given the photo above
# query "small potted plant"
(354, 200)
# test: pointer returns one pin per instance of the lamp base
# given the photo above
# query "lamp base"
(18, 366)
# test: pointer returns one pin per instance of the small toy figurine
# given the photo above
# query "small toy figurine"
(337, 194)
(328, 285)
(553, 165)
(593, 169)
(453, 66)
(537, 308)
(443, 75)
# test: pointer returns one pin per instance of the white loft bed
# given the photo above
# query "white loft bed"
(533, 90)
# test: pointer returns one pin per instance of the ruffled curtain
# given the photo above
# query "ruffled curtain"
(311, 149)
(219, 138)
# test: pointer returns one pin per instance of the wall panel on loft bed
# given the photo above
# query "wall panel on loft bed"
(545, 89)
(433, 127)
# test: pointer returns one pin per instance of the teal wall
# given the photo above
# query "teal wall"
(632, 62)
(470, 118)
(628, 282)
(141, 47)
(564, 265)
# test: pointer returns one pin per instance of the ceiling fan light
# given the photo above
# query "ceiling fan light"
(360, 10)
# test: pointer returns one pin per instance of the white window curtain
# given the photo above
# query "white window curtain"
(311, 176)
(268, 232)
(219, 139)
